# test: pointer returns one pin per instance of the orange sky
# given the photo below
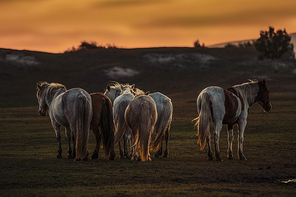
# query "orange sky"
(56, 25)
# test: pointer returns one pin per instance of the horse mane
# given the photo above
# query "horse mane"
(138, 92)
(113, 84)
(248, 91)
(50, 88)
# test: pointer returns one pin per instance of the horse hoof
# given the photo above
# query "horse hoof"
(230, 157)
(77, 159)
(112, 156)
(165, 155)
(219, 159)
(243, 158)
(59, 156)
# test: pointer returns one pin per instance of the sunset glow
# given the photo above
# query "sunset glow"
(56, 25)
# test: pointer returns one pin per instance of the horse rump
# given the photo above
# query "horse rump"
(82, 128)
(204, 119)
(145, 130)
(164, 121)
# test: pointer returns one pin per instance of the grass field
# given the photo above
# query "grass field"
(29, 167)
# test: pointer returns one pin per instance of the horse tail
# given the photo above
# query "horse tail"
(204, 119)
(120, 122)
(164, 120)
(107, 127)
(82, 127)
(145, 130)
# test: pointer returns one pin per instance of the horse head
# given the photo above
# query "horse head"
(127, 88)
(113, 91)
(263, 96)
(41, 87)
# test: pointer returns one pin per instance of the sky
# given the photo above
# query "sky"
(57, 25)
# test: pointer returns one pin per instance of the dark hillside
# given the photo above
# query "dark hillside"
(168, 70)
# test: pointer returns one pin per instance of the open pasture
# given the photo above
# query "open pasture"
(29, 166)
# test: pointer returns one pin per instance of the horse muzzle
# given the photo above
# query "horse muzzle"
(41, 112)
(268, 107)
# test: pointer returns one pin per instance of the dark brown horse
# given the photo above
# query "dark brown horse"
(102, 124)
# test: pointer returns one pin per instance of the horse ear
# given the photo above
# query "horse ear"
(133, 86)
(108, 87)
(38, 85)
(148, 92)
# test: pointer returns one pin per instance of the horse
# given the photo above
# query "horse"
(102, 124)
(71, 109)
(119, 106)
(113, 90)
(140, 116)
(164, 108)
(230, 107)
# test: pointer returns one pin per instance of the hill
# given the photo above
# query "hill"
(172, 71)
(221, 45)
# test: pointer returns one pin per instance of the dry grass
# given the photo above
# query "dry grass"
(29, 167)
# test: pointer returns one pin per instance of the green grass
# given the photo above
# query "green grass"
(29, 167)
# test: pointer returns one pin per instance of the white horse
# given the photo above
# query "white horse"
(71, 109)
(230, 107)
(114, 89)
(140, 116)
(164, 108)
(119, 106)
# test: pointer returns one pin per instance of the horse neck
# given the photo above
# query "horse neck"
(52, 94)
(248, 92)
(127, 91)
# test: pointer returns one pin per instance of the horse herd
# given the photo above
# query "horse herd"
(134, 115)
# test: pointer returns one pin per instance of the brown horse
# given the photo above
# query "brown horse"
(102, 124)
(140, 116)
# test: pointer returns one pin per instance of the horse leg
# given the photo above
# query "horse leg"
(120, 150)
(98, 136)
(58, 137)
(218, 127)
(230, 141)
(166, 151)
(131, 146)
(68, 139)
(159, 152)
(210, 154)
(74, 144)
(242, 125)
(125, 151)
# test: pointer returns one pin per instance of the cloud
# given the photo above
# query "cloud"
(127, 3)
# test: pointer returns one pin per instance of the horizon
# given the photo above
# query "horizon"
(55, 26)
